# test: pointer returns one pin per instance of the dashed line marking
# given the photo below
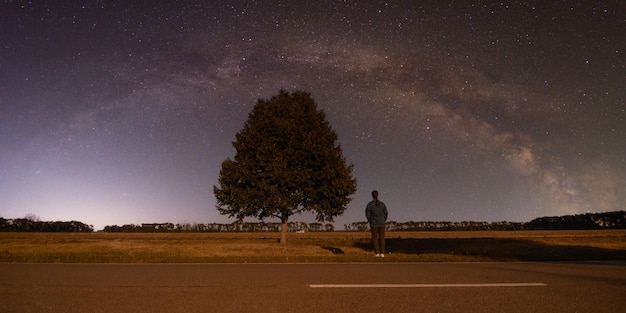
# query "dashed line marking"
(465, 285)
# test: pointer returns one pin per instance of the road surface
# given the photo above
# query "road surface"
(362, 287)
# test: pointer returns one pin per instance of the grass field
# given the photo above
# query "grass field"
(312, 247)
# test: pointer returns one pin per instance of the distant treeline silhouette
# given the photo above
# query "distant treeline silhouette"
(216, 227)
(437, 226)
(28, 225)
(608, 220)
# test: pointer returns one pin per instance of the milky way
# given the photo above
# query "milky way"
(116, 113)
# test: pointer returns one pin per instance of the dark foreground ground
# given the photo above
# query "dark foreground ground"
(363, 287)
(500, 249)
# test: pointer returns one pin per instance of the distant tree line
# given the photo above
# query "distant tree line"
(437, 226)
(607, 220)
(216, 227)
(29, 225)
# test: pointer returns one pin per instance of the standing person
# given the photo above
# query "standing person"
(376, 213)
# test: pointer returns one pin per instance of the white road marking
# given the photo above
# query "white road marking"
(478, 285)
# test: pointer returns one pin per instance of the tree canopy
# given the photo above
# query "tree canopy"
(287, 161)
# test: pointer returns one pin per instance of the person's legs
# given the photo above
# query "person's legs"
(375, 239)
(381, 238)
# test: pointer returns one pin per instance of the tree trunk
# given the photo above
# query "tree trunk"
(283, 232)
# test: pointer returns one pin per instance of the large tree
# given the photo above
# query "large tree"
(287, 161)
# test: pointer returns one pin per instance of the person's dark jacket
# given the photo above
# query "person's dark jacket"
(376, 214)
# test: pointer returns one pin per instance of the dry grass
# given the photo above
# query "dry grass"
(312, 247)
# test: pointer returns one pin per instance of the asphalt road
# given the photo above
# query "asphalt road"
(369, 287)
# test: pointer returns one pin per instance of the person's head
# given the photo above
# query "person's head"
(375, 194)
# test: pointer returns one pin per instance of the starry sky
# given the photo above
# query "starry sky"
(117, 112)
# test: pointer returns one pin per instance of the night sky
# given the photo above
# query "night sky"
(116, 113)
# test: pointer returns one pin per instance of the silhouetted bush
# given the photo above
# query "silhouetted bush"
(27, 225)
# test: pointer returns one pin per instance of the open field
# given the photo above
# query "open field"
(312, 247)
